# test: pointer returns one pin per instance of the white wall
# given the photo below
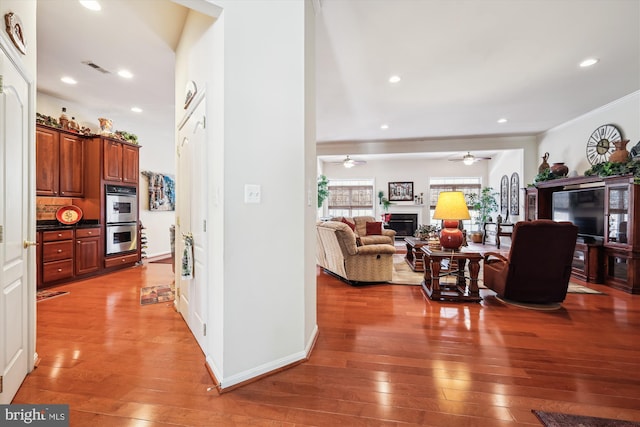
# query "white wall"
(421, 171)
(567, 142)
(254, 63)
(157, 154)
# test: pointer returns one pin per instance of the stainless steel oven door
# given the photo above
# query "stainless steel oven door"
(121, 238)
(121, 208)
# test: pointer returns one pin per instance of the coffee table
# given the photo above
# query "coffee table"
(414, 255)
(457, 291)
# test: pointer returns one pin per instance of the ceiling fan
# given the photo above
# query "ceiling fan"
(469, 159)
(348, 162)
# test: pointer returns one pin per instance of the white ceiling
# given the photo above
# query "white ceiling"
(463, 64)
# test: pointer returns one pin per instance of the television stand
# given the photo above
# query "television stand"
(588, 261)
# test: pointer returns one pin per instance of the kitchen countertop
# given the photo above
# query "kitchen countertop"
(46, 225)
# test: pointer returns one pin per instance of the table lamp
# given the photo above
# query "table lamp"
(451, 208)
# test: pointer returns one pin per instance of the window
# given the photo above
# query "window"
(468, 185)
(350, 198)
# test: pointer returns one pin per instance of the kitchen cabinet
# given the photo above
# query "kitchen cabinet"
(120, 161)
(57, 255)
(88, 253)
(59, 163)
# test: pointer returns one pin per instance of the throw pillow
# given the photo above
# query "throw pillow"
(374, 228)
(352, 226)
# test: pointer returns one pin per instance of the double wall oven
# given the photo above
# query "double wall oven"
(121, 215)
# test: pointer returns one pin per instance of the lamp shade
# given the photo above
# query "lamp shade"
(451, 205)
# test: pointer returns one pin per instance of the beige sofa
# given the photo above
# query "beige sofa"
(338, 253)
(388, 236)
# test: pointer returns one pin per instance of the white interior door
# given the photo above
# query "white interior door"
(15, 301)
(192, 214)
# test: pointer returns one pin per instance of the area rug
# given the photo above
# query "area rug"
(156, 294)
(574, 288)
(556, 419)
(403, 274)
(43, 295)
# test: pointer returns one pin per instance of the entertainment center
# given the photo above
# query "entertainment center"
(606, 211)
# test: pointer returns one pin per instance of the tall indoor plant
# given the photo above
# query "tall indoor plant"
(483, 204)
(323, 189)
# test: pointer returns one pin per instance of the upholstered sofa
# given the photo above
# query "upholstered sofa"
(359, 224)
(337, 252)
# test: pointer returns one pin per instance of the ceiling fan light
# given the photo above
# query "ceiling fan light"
(349, 163)
(468, 159)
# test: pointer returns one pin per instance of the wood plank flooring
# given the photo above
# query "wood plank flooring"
(385, 356)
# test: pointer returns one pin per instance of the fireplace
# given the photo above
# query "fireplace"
(405, 224)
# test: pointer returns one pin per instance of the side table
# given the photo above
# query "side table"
(458, 291)
(414, 255)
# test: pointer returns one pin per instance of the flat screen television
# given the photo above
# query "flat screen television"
(583, 207)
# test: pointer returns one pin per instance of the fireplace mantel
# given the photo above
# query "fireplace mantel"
(408, 208)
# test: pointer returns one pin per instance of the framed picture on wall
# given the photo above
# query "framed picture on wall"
(504, 196)
(401, 191)
(514, 197)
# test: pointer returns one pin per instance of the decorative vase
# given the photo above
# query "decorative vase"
(544, 165)
(64, 119)
(621, 155)
(559, 169)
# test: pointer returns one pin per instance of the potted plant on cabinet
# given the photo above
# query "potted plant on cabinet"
(483, 204)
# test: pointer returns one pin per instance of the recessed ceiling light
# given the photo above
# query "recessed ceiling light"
(136, 109)
(91, 5)
(68, 80)
(125, 74)
(394, 79)
(502, 120)
(384, 127)
(589, 62)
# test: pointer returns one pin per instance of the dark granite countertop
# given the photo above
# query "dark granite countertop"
(45, 225)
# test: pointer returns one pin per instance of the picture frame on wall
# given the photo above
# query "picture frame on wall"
(514, 197)
(401, 191)
(504, 196)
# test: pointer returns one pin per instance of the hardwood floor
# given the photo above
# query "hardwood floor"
(385, 356)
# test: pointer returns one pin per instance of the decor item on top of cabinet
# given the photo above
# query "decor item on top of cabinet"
(635, 151)
(126, 136)
(621, 155)
(42, 119)
(106, 126)
(544, 165)
(632, 167)
(600, 144)
(401, 191)
(514, 197)
(64, 119)
(559, 169)
(162, 191)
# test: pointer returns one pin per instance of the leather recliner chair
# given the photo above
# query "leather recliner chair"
(538, 267)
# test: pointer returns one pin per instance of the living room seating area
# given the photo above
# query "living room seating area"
(337, 252)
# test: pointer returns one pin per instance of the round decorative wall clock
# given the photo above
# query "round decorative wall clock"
(601, 143)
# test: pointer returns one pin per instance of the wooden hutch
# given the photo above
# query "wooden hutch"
(616, 260)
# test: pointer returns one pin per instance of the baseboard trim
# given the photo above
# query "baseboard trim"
(268, 369)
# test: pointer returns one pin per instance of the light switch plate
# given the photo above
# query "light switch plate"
(252, 193)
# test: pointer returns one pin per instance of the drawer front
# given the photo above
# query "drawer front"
(121, 260)
(51, 236)
(53, 251)
(57, 270)
(87, 232)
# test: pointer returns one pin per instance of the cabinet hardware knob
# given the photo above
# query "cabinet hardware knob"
(28, 243)
(59, 234)
(59, 270)
(59, 250)
(79, 241)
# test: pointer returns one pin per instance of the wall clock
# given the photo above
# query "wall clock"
(600, 144)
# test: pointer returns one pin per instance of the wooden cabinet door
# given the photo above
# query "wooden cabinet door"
(47, 162)
(129, 164)
(112, 157)
(71, 166)
(87, 259)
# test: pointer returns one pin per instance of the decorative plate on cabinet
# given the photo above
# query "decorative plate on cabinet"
(69, 214)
